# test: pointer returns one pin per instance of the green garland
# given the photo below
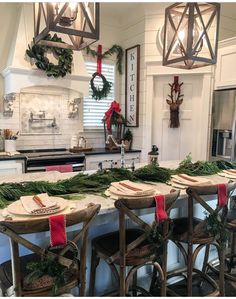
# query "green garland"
(217, 228)
(51, 267)
(101, 180)
(64, 57)
(98, 93)
(115, 49)
(80, 183)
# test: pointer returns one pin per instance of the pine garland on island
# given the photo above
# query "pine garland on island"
(101, 180)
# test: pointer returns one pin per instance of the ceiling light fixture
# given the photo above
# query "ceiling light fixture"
(79, 21)
(191, 34)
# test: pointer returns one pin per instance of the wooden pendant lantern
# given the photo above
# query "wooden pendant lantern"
(191, 34)
(78, 21)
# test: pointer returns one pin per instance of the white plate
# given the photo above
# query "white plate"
(17, 208)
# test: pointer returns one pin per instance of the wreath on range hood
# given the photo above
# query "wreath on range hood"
(64, 57)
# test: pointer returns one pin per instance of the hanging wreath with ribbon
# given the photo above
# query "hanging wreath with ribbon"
(63, 56)
(98, 93)
(115, 49)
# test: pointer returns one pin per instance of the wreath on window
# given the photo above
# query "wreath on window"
(63, 56)
(98, 93)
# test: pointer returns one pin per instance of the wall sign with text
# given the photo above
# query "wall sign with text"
(132, 65)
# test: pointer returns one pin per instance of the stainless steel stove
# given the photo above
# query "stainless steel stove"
(38, 160)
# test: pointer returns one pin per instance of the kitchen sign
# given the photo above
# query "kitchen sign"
(132, 65)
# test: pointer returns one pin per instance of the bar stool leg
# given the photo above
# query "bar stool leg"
(232, 251)
(206, 257)
(221, 272)
(94, 263)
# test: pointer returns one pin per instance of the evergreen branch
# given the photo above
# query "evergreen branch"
(115, 49)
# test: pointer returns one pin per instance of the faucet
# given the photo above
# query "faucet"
(122, 149)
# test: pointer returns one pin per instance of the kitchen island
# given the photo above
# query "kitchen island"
(106, 221)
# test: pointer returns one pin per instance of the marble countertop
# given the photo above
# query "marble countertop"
(107, 204)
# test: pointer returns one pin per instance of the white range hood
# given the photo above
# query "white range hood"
(19, 73)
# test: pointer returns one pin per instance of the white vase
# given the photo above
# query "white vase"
(10, 146)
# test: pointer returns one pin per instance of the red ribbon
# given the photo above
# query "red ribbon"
(115, 107)
(222, 195)
(57, 225)
(176, 83)
(160, 212)
(99, 60)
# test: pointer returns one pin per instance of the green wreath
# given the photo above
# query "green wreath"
(98, 93)
(63, 56)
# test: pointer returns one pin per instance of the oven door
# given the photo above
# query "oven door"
(40, 164)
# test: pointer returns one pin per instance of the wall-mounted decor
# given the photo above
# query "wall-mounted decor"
(73, 107)
(8, 100)
(176, 99)
(191, 34)
(78, 20)
(40, 113)
(99, 84)
(37, 53)
(132, 69)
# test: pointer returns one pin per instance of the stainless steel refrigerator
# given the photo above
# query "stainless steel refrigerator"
(223, 132)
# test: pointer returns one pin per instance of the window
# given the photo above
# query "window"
(94, 110)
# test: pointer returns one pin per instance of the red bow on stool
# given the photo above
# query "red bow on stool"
(222, 195)
(57, 225)
(160, 214)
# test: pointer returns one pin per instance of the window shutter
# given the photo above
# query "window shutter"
(94, 110)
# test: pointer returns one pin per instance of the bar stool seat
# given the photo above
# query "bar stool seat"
(108, 244)
(180, 231)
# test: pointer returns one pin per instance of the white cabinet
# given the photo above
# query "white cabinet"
(11, 167)
(225, 76)
(92, 161)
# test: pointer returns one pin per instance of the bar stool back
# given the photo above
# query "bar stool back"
(193, 231)
(132, 247)
(13, 272)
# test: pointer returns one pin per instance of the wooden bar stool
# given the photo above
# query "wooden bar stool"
(14, 271)
(192, 231)
(132, 247)
(230, 256)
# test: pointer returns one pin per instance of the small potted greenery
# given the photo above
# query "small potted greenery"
(128, 138)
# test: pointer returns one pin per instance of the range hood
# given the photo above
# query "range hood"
(19, 73)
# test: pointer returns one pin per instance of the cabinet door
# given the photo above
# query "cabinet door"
(11, 167)
(225, 76)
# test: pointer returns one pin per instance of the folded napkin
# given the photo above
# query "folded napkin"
(57, 225)
(39, 204)
(133, 189)
(186, 180)
(60, 168)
